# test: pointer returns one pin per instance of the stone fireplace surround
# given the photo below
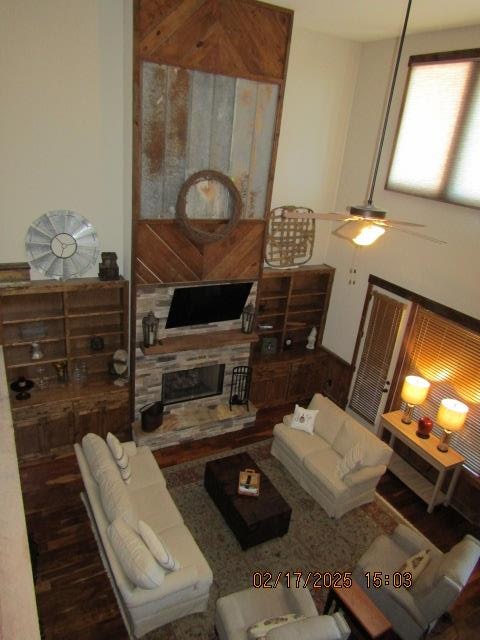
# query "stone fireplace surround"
(214, 416)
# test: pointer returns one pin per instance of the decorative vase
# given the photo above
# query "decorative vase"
(36, 353)
(312, 337)
(62, 372)
(425, 425)
(97, 343)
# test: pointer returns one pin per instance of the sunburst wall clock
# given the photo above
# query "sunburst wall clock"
(61, 244)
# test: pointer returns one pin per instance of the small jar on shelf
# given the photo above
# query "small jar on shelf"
(41, 378)
(80, 374)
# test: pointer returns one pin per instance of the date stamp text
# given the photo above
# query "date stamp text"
(305, 579)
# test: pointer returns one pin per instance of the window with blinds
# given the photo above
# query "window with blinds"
(436, 152)
(448, 355)
(383, 325)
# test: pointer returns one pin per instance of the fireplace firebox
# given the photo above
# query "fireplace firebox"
(192, 384)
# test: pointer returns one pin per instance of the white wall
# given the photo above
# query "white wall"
(449, 274)
(62, 118)
(321, 78)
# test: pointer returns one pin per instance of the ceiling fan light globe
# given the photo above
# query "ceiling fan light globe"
(368, 235)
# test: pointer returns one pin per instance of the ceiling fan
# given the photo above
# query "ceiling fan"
(371, 222)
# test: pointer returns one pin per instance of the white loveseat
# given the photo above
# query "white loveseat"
(313, 459)
(145, 498)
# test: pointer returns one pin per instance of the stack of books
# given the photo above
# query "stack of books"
(249, 483)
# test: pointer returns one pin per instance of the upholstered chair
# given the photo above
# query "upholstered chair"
(413, 611)
(237, 614)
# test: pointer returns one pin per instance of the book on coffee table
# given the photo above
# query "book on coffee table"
(249, 483)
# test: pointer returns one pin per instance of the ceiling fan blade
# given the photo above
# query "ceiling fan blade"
(389, 222)
(333, 217)
(347, 217)
(419, 235)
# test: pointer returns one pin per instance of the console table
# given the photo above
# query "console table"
(426, 449)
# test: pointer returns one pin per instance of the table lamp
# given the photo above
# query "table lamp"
(414, 392)
(451, 417)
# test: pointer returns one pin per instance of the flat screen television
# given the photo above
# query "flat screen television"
(207, 303)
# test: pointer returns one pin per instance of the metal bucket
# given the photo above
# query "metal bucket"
(151, 416)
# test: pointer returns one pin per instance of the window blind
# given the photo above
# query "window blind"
(448, 355)
(436, 150)
(383, 325)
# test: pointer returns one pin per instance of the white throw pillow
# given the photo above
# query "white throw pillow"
(259, 630)
(351, 461)
(132, 553)
(329, 419)
(304, 419)
(416, 563)
(116, 500)
(120, 456)
(287, 420)
(157, 548)
(97, 455)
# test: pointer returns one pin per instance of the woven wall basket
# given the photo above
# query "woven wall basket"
(289, 241)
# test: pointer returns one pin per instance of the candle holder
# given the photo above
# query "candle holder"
(150, 329)
(248, 317)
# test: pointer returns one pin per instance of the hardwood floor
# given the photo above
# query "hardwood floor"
(74, 596)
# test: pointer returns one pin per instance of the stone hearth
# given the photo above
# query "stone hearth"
(182, 425)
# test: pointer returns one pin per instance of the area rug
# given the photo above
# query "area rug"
(314, 541)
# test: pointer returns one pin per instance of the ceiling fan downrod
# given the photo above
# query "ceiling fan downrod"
(369, 211)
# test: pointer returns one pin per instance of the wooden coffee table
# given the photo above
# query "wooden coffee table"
(253, 519)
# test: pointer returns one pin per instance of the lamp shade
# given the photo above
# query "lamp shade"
(415, 390)
(451, 414)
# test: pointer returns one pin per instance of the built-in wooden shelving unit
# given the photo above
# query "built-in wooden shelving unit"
(62, 317)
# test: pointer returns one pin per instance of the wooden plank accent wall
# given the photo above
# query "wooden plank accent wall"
(241, 38)
(165, 254)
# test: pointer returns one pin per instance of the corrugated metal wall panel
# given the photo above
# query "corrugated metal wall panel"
(193, 121)
(261, 154)
(154, 105)
(178, 92)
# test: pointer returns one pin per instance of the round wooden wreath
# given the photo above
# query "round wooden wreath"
(195, 234)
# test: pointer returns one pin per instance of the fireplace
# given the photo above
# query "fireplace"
(191, 384)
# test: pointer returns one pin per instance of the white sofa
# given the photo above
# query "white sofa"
(145, 497)
(313, 459)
